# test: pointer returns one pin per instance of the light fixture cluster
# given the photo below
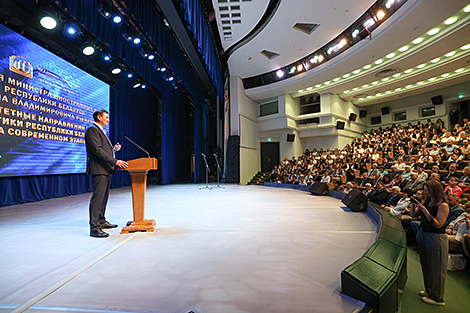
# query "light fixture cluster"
(419, 84)
(53, 19)
(380, 11)
(446, 26)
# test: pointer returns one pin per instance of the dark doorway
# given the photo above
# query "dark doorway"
(269, 155)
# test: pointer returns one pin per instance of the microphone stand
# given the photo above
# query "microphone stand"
(218, 171)
(207, 174)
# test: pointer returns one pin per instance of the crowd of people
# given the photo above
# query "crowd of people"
(419, 173)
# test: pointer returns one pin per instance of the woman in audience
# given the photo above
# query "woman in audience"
(453, 187)
(457, 228)
(432, 241)
(388, 182)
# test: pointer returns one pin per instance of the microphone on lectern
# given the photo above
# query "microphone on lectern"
(148, 154)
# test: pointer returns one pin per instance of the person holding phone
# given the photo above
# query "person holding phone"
(432, 241)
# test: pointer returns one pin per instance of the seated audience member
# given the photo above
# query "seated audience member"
(325, 178)
(407, 173)
(438, 162)
(400, 165)
(368, 190)
(365, 179)
(400, 181)
(465, 179)
(455, 209)
(379, 195)
(465, 148)
(382, 171)
(422, 175)
(393, 197)
(348, 188)
(457, 159)
(388, 182)
(453, 187)
(451, 173)
(449, 147)
(402, 204)
(415, 183)
(393, 171)
(435, 150)
(373, 170)
(457, 228)
(375, 180)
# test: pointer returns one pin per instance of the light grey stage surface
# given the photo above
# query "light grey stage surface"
(238, 249)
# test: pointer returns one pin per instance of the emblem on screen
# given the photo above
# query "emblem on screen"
(21, 66)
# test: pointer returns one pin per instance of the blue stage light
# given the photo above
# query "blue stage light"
(71, 30)
(130, 75)
(107, 58)
(117, 19)
(136, 40)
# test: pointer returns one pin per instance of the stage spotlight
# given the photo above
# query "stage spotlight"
(105, 9)
(107, 57)
(71, 30)
(127, 32)
(116, 70)
(48, 22)
(280, 73)
(88, 49)
(117, 19)
(380, 15)
(162, 69)
(137, 84)
(151, 57)
(143, 86)
(171, 78)
(136, 40)
(129, 75)
(300, 68)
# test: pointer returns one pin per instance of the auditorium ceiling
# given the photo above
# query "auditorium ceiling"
(374, 70)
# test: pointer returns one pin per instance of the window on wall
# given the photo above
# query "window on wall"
(268, 108)
(374, 120)
(400, 116)
(428, 111)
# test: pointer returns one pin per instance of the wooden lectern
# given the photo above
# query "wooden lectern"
(138, 169)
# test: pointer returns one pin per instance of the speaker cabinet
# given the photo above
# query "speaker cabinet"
(340, 125)
(352, 117)
(233, 160)
(319, 189)
(385, 110)
(362, 113)
(437, 100)
(290, 137)
(356, 201)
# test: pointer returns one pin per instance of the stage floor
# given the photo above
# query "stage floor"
(239, 249)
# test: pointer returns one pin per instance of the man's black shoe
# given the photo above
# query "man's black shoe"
(107, 224)
(98, 233)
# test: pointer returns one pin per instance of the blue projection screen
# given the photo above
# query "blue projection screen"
(46, 105)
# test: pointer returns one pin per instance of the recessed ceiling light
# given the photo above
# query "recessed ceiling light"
(388, 91)
(301, 90)
(385, 79)
(433, 31)
(355, 88)
(378, 61)
(403, 49)
(409, 86)
(421, 65)
(467, 9)
(365, 86)
(459, 70)
(318, 86)
(391, 55)
(435, 60)
(309, 88)
(445, 75)
(418, 40)
(419, 83)
(360, 99)
(367, 67)
(408, 71)
(432, 79)
(378, 94)
(346, 91)
(451, 20)
(375, 83)
(346, 75)
(356, 71)
(450, 54)
(397, 89)
(336, 79)
(327, 82)
(396, 75)
(465, 47)
(369, 97)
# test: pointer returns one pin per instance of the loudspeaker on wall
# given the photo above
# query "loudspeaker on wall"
(352, 117)
(340, 125)
(385, 110)
(290, 137)
(437, 100)
(362, 113)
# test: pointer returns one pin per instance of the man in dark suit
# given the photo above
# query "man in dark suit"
(379, 195)
(100, 164)
(451, 173)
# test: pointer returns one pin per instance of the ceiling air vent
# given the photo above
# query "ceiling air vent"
(269, 54)
(387, 72)
(306, 27)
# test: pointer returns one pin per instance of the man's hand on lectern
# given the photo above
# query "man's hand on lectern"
(122, 164)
